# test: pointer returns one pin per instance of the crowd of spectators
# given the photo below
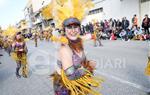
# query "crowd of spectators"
(121, 29)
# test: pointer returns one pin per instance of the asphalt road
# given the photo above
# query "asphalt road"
(120, 63)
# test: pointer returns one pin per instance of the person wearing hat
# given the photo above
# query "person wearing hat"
(72, 62)
(74, 73)
(19, 54)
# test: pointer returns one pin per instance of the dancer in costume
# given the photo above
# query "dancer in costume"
(74, 75)
(41, 36)
(36, 39)
(1, 40)
(6, 43)
(9, 42)
(47, 35)
(1, 43)
(97, 35)
(0, 56)
(19, 54)
(147, 69)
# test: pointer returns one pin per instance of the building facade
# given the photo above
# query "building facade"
(33, 13)
(117, 9)
(103, 9)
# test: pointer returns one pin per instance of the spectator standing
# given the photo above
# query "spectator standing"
(146, 24)
(125, 24)
(135, 21)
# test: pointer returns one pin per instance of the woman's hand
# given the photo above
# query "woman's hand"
(92, 64)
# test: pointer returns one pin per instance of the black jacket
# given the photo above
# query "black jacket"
(146, 25)
(125, 24)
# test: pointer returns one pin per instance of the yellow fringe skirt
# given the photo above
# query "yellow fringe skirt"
(22, 59)
(147, 69)
(83, 86)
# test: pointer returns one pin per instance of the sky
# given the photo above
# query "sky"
(11, 12)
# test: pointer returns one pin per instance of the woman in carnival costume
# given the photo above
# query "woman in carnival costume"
(36, 39)
(19, 54)
(74, 75)
(97, 35)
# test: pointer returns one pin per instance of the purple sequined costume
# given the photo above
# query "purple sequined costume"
(59, 87)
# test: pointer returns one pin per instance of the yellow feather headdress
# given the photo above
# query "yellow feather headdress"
(10, 31)
(46, 11)
(63, 9)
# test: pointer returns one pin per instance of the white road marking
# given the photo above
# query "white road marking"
(124, 81)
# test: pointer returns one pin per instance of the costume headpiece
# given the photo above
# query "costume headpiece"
(70, 21)
(65, 12)
(64, 9)
(10, 31)
(46, 11)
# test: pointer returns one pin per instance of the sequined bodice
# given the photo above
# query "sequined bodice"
(76, 59)
(19, 45)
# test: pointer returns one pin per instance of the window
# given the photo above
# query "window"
(144, 1)
(95, 11)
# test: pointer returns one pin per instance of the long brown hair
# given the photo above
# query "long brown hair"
(19, 40)
(76, 45)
